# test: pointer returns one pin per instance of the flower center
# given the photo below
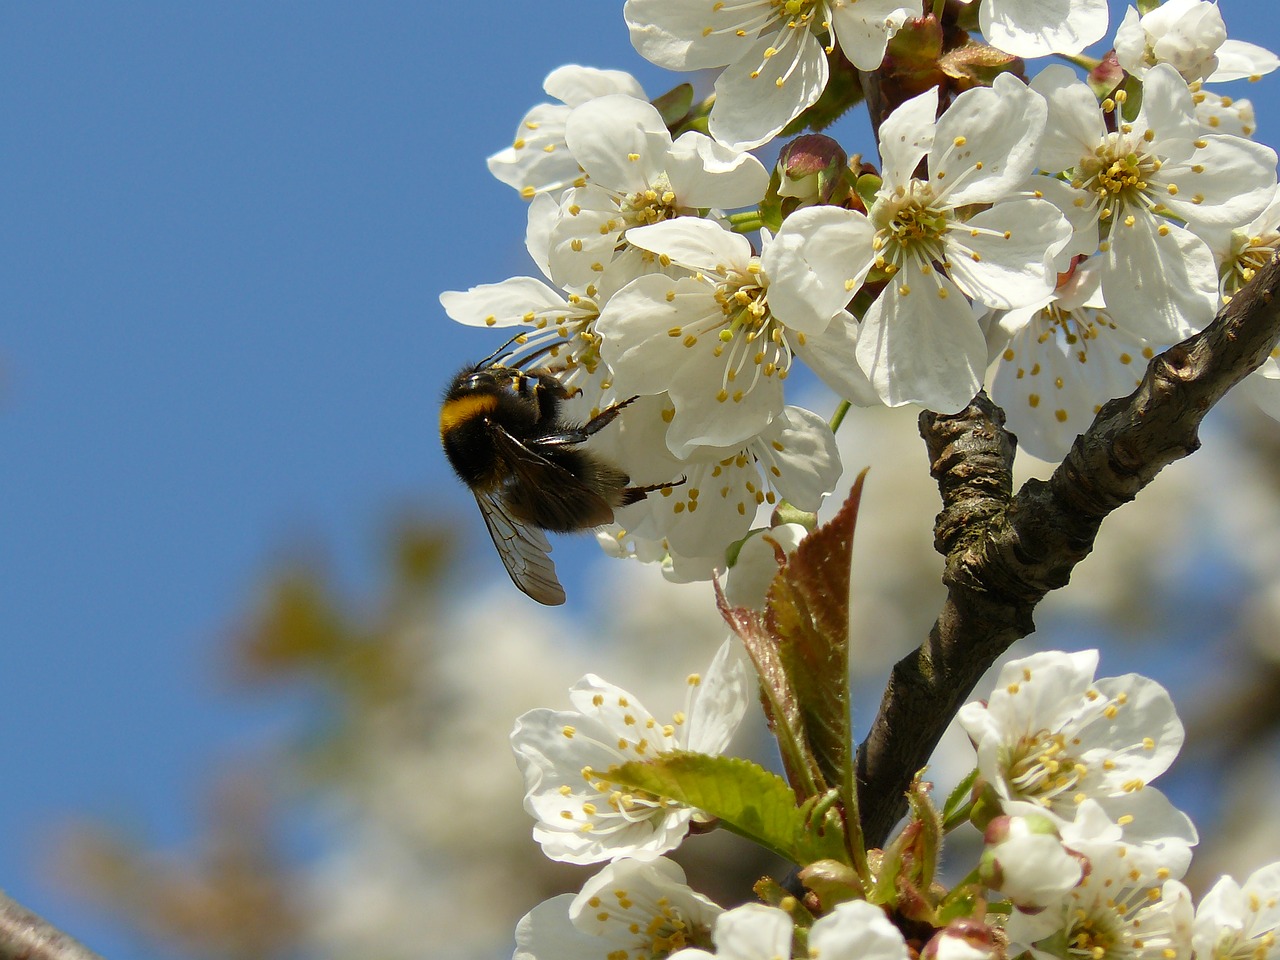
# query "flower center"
(654, 204)
(744, 303)
(1234, 945)
(1118, 174)
(748, 337)
(1041, 770)
(803, 9)
(1094, 937)
(1248, 256)
(908, 226)
(657, 929)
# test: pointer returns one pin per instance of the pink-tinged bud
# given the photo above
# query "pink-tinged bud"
(1106, 76)
(1003, 828)
(812, 168)
(964, 939)
(1025, 860)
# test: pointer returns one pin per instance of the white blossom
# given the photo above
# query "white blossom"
(1026, 860)
(774, 53)
(1190, 36)
(630, 908)
(538, 160)
(1128, 192)
(1051, 737)
(1240, 254)
(637, 176)
(1063, 359)
(853, 930)
(1222, 114)
(582, 819)
(794, 458)
(1235, 922)
(1126, 907)
(920, 342)
(721, 342)
(966, 938)
(748, 580)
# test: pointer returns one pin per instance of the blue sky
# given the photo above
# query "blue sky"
(225, 229)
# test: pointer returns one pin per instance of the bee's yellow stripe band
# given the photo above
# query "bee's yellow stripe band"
(456, 412)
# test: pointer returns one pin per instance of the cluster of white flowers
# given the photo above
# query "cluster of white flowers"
(1033, 235)
(1043, 233)
(1087, 856)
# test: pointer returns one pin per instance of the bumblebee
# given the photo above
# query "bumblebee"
(504, 434)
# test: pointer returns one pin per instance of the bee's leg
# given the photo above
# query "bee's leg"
(635, 494)
(576, 435)
(605, 416)
(546, 390)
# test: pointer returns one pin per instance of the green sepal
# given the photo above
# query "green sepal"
(959, 801)
(866, 187)
(674, 105)
(832, 882)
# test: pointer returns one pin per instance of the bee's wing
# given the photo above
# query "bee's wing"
(524, 550)
(562, 501)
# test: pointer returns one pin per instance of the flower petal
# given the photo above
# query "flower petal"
(815, 265)
(989, 136)
(621, 142)
(1003, 257)
(906, 136)
(863, 28)
(706, 173)
(685, 35)
(770, 85)
(574, 85)
(1159, 280)
(694, 243)
(1075, 126)
(922, 346)
(1037, 28)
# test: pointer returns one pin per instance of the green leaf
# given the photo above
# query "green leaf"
(808, 615)
(777, 698)
(1133, 99)
(746, 798)
(800, 648)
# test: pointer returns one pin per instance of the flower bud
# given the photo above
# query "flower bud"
(1025, 860)
(963, 939)
(811, 169)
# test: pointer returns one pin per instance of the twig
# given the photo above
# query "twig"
(26, 936)
(1003, 554)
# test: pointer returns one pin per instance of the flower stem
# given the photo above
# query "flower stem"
(1081, 61)
(837, 418)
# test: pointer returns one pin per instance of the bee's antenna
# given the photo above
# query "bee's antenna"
(491, 357)
(517, 361)
(541, 351)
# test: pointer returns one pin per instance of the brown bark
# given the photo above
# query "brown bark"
(25, 936)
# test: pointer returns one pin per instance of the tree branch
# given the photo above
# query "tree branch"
(25, 936)
(1003, 553)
